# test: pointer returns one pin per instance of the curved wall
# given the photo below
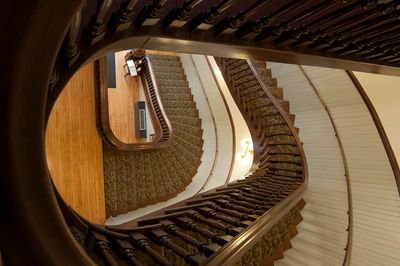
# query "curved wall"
(376, 205)
(322, 234)
(215, 125)
(384, 93)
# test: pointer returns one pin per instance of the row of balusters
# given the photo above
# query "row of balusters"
(158, 116)
(193, 230)
(366, 28)
(279, 152)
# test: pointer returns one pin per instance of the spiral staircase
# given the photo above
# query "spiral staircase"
(245, 222)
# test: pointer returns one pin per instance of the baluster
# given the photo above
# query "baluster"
(301, 34)
(188, 224)
(267, 35)
(127, 252)
(213, 214)
(370, 32)
(228, 229)
(141, 241)
(254, 197)
(252, 29)
(78, 235)
(150, 15)
(330, 32)
(364, 17)
(386, 54)
(53, 79)
(326, 27)
(340, 13)
(97, 25)
(394, 60)
(177, 17)
(100, 244)
(229, 25)
(124, 16)
(228, 204)
(171, 228)
(351, 44)
(242, 216)
(294, 35)
(71, 50)
(204, 21)
(163, 238)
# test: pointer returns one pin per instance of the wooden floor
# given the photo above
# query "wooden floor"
(122, 99)
(74, 148)
(121, 102)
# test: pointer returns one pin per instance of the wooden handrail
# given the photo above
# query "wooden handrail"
(235, 249)
(381, 130)
(163, 134)
(160, 118)
(349, 244)
(282, 112)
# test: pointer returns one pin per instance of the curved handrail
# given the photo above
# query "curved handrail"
(164, 132)
(154, 98)
(272, 98)
(381, 130)
(349, 244)
(235, 249)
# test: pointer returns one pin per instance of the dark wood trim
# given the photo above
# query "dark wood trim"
(287, 120)
(349, 244)
(231, 253)
(379, 127)
(162, 139)
(32, 228)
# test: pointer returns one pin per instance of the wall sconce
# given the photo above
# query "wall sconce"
(217, 71)
(248, 149)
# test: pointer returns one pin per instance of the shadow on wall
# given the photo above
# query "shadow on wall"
(383, 91)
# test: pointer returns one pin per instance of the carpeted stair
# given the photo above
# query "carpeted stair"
(139, 178)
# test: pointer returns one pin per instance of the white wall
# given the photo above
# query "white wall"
(240, 167)
(215, 124)
(376, 205)
(322, 234)
(384, 93)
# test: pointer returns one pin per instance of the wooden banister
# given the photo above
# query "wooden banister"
(163, 128)
(379, 127)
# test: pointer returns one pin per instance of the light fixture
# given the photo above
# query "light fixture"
(217, 71)
(248, 145)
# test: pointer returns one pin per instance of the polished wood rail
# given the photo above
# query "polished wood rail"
(379, 127)
(356, 35)
(161, 123)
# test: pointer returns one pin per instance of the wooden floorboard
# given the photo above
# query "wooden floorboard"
(74, 148)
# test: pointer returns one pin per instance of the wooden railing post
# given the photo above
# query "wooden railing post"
(124, 17)
(177, 17)
(97, 25)
(206, 20)
(71, 50)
